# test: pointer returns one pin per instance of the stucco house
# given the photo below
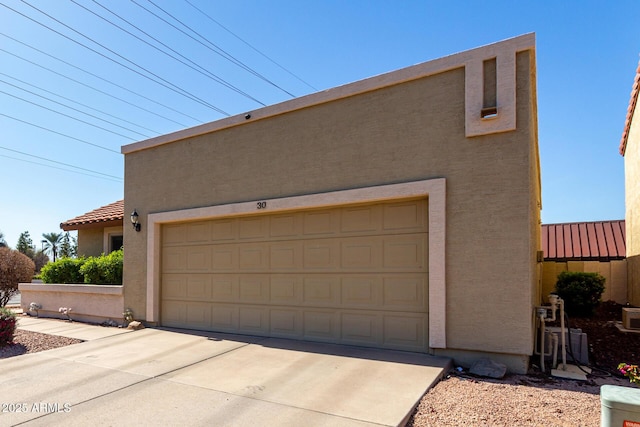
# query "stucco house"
(630, 149)
(400, 212)
(99, 231)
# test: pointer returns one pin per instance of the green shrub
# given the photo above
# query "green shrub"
(64, 270)
(581, 292)
(103, 270)
(15, 268)
(7, 326)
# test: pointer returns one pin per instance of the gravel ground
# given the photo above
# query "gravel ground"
(33, 342)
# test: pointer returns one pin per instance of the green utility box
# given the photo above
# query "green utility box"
(620, 406)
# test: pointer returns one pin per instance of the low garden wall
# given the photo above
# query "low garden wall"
(88, 303)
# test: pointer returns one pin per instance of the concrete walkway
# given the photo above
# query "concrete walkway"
(174, 378)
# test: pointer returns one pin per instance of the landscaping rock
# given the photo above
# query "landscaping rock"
(135, 325)
(488, 368)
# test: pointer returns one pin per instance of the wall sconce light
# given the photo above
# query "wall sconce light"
(134, 220)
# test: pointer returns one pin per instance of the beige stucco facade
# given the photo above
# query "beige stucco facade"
(413, 133)
(632, 207)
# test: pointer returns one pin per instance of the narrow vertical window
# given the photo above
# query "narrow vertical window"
(489, 89)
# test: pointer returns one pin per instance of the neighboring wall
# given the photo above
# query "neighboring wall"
(615, 273)
(400, 133)
(632, 203)
(91, 242)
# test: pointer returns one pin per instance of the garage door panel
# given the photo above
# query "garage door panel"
(286, 256)
(351, 275)
(361, 328)
(253, 228)
(286, 289)
(286, 323)
(287, 226)
(321, 290)
(224, 258)
(253, 257)
(360, 291)
(225, 317)
(405, 252)
(174, 259)
(361, 219)
(197, 232)
(254, 288)
(405, 332)
(320, 223)
(361, 253)
(405, 293)
(199, 258)
(322, 325)
(405, 216)
(253, 319)
(225, 287)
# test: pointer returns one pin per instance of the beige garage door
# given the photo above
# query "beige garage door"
(349, 275)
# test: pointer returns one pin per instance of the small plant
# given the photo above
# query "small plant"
(630, 371)
(580, 291)
(35, 307)
(7, 326)
(128, 316)
(67, 312)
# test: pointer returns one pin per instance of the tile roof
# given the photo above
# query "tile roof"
(584, 241)
(632, 106)
(109, 215)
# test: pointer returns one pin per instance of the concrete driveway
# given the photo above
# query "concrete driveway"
(166, 377)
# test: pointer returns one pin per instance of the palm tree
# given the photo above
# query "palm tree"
(52, 243)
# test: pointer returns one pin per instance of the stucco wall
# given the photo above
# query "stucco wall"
(614, 272)
(632, 205)
(91, 242)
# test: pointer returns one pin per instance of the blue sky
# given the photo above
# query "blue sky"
(587, 54)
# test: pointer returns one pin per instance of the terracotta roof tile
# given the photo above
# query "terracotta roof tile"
(632, 106)
(584, 241)
(111, 214)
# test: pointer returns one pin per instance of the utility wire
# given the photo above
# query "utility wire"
(91, 87)
(200, 69)
(60, 163)
(58, 133)
(55, 167)
(162, 81)
(248, 44)
(66, 115)
(79, 103)
(74, 109)
(211, 46)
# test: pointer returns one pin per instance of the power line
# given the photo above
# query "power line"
(251, 46)
(215, 48)
(66, 115)
(55, 167)
(163, 82)
(93, 88)
(79, 103)
(74, 109)
(58, 133)
(60, 163)
(200, 69)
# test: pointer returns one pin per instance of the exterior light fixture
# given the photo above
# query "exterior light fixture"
(134, 220)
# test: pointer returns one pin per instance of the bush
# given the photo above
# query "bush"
(64, 270)
(581, 292)
(7, 326)
(15, 268)
(103, 270)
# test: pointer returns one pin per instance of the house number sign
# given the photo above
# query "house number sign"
(261, 205)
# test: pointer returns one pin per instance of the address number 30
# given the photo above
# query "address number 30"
(261, 205)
